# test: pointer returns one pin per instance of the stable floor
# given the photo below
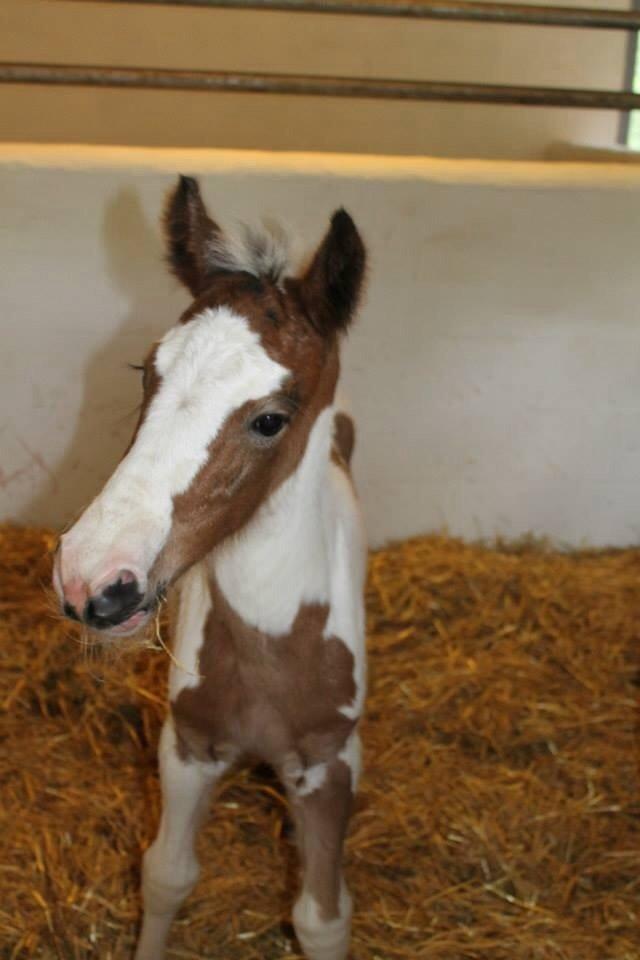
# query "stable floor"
(499, 814)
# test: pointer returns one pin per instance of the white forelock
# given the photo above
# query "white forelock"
(263, 251)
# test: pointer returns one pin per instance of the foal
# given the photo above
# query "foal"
(236, 488)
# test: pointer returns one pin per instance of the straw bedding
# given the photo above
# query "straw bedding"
(499, 815)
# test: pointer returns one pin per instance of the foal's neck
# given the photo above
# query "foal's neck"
(281, 559)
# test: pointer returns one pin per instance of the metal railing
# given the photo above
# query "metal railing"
(379, 89)
(468, 10)
(225, 81)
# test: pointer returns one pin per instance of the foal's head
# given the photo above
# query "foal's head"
(230, 395)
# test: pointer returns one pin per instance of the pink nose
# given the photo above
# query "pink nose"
(72, 593)
(103, 605)
(75, 595)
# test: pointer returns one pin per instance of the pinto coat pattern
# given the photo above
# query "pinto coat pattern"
(236, 488)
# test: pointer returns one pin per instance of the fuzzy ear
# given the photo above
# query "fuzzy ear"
(192, 236)
(332, 284)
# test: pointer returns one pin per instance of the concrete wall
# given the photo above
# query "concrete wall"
(494, 370)
(153, 36)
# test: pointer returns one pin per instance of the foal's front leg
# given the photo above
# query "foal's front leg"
(170, 868)
(321, 800)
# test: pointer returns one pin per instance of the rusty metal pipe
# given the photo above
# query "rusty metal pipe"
(296, 85)
(467, 10)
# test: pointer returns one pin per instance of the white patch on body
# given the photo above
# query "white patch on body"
(348, 572)
(313, 778)
(209, 367)
(281, 559)
(351, 754)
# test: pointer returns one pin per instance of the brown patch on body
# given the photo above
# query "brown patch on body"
(344, 439)
(273, 697)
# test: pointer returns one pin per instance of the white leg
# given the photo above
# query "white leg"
(170, 868)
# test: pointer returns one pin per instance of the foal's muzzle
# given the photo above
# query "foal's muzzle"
(113, 605)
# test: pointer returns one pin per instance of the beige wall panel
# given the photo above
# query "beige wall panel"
(86, 33)
(494, 370)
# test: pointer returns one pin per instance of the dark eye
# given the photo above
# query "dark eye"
(268, 424)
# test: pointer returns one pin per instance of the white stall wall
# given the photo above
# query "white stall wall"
(494, 370)
(190, 38)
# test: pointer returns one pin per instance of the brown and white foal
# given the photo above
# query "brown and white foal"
(236, 488)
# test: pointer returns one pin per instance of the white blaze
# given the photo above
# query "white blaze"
(209, 367)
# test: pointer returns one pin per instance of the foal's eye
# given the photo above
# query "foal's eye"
(268, 424)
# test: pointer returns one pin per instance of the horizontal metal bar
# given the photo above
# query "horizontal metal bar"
(229, 82)
(469, 10)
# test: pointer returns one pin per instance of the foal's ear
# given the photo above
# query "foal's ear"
(192, 236)
(332, 283)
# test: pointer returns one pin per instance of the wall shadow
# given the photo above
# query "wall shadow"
(111, 391)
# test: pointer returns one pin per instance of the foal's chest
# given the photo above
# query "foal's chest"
(268, 696)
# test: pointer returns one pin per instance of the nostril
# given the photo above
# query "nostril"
(70, 611)
(126, 576)
(115, 603)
